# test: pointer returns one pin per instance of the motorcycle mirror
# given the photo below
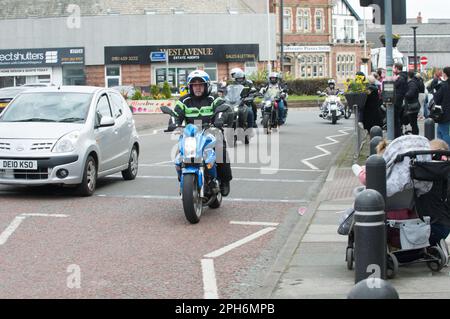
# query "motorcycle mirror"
(245, 92)
(166, 110)
(222, 108)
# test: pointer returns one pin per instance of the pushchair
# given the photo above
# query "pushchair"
(407, 232)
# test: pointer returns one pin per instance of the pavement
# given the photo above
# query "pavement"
(312, 263)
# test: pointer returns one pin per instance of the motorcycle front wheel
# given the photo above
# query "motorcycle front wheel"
(192, 202)
(266, 123)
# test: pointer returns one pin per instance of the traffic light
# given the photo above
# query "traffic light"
(398, 10)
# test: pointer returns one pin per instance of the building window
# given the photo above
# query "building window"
(312, 65)
(348, 29)
(345, 65)
(211, 69)
(306, 20)
(74, 75)
(287, 19)
(250, 68)
(319, 20)
(334, 29)
(287, 64)
(113, 77)
(299, 20)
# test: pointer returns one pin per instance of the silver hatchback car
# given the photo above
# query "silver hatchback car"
(69, 135)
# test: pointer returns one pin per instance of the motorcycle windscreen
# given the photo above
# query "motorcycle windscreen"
(234, 93)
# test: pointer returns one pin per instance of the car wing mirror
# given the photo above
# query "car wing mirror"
(106, 121)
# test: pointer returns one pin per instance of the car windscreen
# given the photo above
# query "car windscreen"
(48, 107)
(9, 93)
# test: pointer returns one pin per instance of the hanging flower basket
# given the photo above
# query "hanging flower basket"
(358, 99)
(395, 39)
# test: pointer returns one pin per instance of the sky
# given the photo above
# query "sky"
(434, 9)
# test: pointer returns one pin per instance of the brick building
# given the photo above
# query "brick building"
(321, 38)
(110, 42)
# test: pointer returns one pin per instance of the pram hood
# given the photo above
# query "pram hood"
(398, 176)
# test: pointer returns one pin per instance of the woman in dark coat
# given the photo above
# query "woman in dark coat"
(372, 112)
(412, 102)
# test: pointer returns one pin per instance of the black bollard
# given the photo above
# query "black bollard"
(370, 236)
(376, 131)
(430, 131)
(376, 174)
(373, 288)
(374, 143)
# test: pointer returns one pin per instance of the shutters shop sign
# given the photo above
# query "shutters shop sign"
(307, 49)
(183, 53)
(40, 57)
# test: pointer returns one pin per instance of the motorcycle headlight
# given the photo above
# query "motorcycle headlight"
(190, 147)
(236, 108)
(267, 103)
(67, 143)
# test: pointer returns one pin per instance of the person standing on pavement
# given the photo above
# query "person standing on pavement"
(442, 98)
(372, 109)
(401, 87)
(412, 105)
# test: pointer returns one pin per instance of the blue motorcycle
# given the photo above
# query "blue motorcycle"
(195, 164)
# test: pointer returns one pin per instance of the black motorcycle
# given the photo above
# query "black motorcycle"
(240, 99)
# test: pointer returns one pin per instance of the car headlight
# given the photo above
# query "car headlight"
(190, 147)
(66, 143)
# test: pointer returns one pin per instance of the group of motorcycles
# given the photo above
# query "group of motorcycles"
(196, 157)
(332, 108)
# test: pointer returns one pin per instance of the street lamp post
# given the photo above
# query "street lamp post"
(281, 35)
(415, 50)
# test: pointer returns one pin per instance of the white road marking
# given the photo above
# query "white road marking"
(224, 250)
(262, 169)
(228, 199)
(269, 180)
(18, 220)
(209, 279)
(10, 229)
(254, 223)
(306, 161)
(44, 215)
(153, 133)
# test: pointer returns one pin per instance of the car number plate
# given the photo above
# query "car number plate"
(18, 164)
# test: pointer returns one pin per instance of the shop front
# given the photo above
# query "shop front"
(50, 66)
(182, 60)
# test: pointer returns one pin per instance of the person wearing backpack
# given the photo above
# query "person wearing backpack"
(442, 98)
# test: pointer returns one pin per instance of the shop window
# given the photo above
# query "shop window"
(211, 69)
(113, 75)
(74, 75)
(250, 68)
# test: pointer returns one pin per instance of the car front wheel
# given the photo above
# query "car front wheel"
(131, 172)
(89, 182)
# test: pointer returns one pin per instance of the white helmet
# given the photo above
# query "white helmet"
(234, 71)
(274, 77)
(331, 81)
(202, 76)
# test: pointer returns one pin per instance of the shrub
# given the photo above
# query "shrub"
(166, 91)
(137, 95)
(154, 91)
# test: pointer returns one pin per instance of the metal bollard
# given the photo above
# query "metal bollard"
(373, 289)
(376, 174)
(370, 236)
(430, 130)
(374, 143)
(376, 131)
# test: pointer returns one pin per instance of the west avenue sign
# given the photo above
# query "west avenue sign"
(183, 53)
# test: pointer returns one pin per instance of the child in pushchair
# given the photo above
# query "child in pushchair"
(417, 213)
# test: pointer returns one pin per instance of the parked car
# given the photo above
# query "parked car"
(7, 94)
(67, 136)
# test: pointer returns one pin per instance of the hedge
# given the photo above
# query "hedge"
(306, 87)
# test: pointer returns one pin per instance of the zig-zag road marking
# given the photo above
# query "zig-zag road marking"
(325, 152)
